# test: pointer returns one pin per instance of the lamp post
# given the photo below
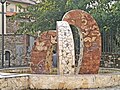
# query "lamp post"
(2, 2)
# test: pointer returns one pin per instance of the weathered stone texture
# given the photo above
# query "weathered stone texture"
(73, 81)
(13, 82)
(12, 25)
(91, 39)
(41, 55)
(11, 42)
(66, 54)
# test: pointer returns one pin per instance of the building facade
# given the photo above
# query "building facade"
(16, 47)
(12, 7)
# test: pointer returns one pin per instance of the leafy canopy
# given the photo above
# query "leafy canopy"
(43, 16)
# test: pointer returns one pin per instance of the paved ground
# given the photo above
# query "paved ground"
(110, 88)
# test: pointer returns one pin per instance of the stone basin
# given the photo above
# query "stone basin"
(12, 79)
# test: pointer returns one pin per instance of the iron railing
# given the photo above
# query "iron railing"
(110, 49)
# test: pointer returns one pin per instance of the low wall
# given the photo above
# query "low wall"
(72, 82)
(14, 81)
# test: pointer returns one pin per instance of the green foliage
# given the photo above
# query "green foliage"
(43, 16)
(107, 15)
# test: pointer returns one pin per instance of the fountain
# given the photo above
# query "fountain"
(69, 76)
(90, 52)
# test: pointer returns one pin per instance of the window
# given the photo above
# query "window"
(11, 9)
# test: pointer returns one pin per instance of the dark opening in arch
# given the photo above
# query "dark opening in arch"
(76, 38)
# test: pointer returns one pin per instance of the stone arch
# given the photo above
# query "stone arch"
(91, 39)
(41, 54)
(66, 52)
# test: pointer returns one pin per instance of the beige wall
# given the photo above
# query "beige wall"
(13, 7)
(1, 19)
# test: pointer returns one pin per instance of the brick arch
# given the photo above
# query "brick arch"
(91, 39)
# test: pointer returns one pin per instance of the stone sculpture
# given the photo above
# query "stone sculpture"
(91, 40)
(66, 54)
(90, 46)
(41, 54)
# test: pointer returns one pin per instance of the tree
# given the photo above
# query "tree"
(107, 13)
(43, 16)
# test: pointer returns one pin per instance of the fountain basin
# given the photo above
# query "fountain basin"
(16, 81)
(73, 82)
